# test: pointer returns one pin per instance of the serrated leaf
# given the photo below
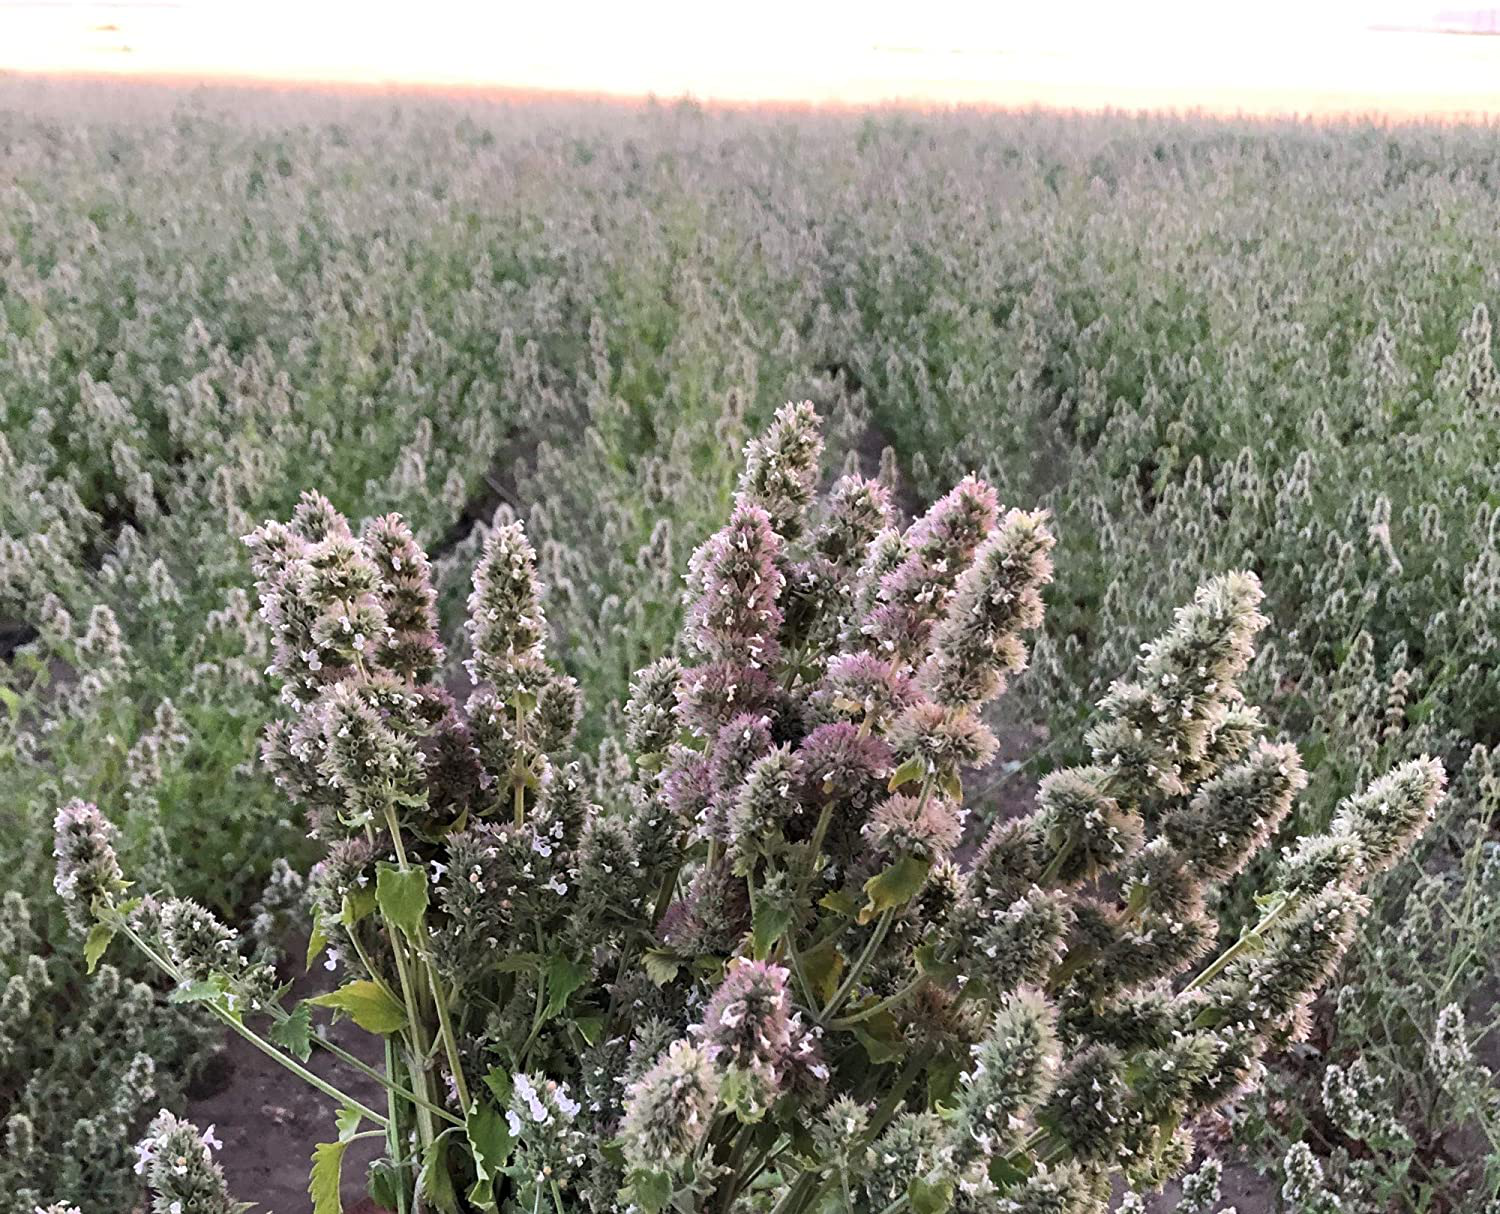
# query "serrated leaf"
(564, 976)
(894, 886)
(840, 903)
(768, 924)
(402, 897)
(294, 1034)
(590, 1027)
(661, 966)
(929, 1197)
(913, 769)
(382, 1182)
(326, 1178)
(347, 1120)
(938, 971)
(942, 1079)
(1004, 1173)
(97, 942)
(434, 1181)
(317, 939)
(952, 784)
(651, 1191)
(368, 1004)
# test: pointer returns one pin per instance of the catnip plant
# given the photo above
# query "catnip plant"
(763, 965)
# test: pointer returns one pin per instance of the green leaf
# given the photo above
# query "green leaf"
(895, 886)
(382, 1184)
(490, 1140)
(563, 978)
(590, 1027)
(661, 966)
(359, 903)
(98, 940)
(938, 971)
(347, 1120)
(927, 1197)
(1004, 1173)
(651, 1191)
(881, 1038)
(942, 1079)
(768, 924)
(498, 1082)
(952, 784)
(368, 1004)
(402, 896)
(434, 1182)
(913, 769)
(317, 939)
(294, 1034)
(823, 967)
(517, 962)
(843, 904)
(327, 1175)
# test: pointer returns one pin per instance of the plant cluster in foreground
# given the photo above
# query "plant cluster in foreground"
(742, 959)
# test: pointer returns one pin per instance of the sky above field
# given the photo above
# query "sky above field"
(1322, 56)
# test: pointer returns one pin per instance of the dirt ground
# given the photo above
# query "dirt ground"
(269, 1120)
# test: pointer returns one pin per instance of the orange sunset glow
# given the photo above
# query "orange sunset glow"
(1337, 57)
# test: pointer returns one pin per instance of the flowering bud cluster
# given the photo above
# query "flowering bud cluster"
(748, 939)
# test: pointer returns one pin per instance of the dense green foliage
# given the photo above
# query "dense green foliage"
(1203, 345)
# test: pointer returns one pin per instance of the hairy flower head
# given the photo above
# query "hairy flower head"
(87, 868)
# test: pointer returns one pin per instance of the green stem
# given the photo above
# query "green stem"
(417, 1060)
(393, 1130)
(393, 1088)
(876, 938)
(875, 1009)
(1246, 941)
(254, 1038)
(434, 983)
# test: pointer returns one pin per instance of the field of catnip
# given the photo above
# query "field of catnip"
(579, 658)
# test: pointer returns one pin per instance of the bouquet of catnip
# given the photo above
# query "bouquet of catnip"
(748, 956)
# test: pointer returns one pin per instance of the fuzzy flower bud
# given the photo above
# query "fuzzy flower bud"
(781, 468)
(199, 945)
(746, 1030)
(735, 615)
(180, 1170)
(1388, 815)
(905, 825)
(1088, 1106)
(858, 511)
(506, 624)
(865, 687)
(945, 741)
(1013, 1067)
(370, 762)
(1235, 812)
(998, 598)
(1086, 829)
(766, 801)
(407, 596)
(650, 712)
(668, 1110)
(87, 867)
